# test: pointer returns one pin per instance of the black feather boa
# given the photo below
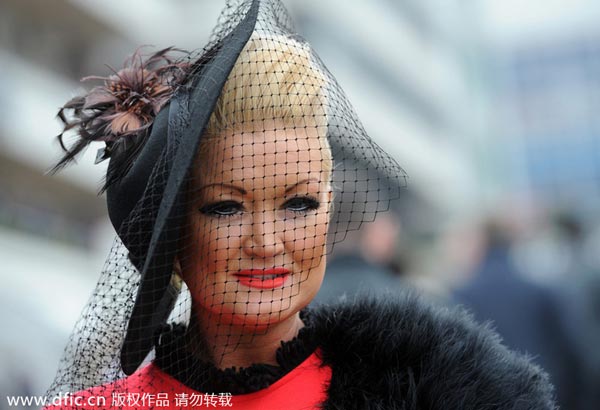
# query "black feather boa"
(397, 352)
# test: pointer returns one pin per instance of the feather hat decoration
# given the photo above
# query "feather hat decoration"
(121, 111)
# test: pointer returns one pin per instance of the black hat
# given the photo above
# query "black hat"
(157, 244)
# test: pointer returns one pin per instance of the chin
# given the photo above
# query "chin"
(259, 315)
(257, 309)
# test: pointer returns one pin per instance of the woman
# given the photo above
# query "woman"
(223, 191)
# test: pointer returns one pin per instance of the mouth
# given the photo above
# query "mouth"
(263, 278)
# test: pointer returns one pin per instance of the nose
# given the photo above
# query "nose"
(265, 236)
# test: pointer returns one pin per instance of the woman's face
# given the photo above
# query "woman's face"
(256, 234)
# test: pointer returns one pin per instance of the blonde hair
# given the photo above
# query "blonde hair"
(274, 80)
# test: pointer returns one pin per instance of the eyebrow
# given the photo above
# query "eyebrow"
(244, 192)
(235, 188)
(288, 189)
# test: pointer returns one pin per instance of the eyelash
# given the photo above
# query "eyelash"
(219, 209)
(308, 203)
(300, 205)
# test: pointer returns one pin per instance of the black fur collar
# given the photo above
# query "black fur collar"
(394, 352)
(399, 353)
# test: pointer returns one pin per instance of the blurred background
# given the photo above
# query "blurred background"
(491, 106)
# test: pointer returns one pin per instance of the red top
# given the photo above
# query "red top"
(151, 388)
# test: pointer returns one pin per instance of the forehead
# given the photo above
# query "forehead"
(289, 153)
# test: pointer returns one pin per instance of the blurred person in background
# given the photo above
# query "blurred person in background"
(532, 318)
(582, 281)
(365, 261)
(561, 251)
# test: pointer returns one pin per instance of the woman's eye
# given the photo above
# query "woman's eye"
(302, 204)
(224, 208)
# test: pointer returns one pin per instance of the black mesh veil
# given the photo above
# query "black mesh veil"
(226, 200)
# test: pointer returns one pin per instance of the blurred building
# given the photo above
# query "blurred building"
(544, 85)
(549, 103)
(49, 225)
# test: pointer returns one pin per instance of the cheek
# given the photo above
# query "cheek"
(306, 239)
(210, 245)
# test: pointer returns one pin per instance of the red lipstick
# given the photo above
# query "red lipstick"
(263, 278)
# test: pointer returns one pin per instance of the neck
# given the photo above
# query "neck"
(241, 346)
